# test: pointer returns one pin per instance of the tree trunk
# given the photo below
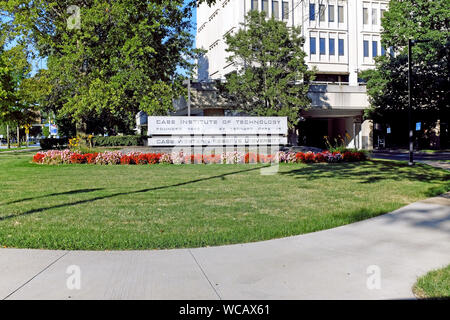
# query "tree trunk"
(18, 137)
(8, 140)
(293, 137)
(81, 128)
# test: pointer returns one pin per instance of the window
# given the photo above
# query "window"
(382, 11)
(322, 45)
(383, 51)
(374, 17)
(341, 47)
(366, 48)
(285, 10)
(312, 11)
(254, 4)
(374, 48)
(275, 10)
(312, 45)
(331, 13)
(265, 6)
(331, 47)
(322, 12)
(341, 14)
(365, 16)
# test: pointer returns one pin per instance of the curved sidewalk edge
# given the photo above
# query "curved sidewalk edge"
(379, 258)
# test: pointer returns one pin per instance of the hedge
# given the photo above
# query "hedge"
(53, 143)
(115, 141)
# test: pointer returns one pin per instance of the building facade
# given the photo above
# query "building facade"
(342, 37)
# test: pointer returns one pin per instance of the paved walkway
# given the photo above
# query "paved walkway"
(418, 156)
(330, 264)
(438, 164)
(438, 159)
(12, 150)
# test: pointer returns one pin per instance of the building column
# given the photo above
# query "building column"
(357, 133)
(367, 135)
(353, 40)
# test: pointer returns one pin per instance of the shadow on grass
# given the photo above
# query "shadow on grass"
(371, 172)
(55, 194)
(221, 176)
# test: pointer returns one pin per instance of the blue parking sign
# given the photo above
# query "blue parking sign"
(54, 129)
(418, 126)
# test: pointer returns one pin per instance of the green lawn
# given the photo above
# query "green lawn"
(168, 206)
(435, 284)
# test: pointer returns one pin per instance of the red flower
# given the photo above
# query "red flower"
(251, 158)
(198, 158)
(319, 157)
(213, 158)
(77, 158)
(300, 157)
(90, 157)
(189, 158)
(153, 158)
(353, 156)
(38, 158)
(141, 159)
(126, 160)
(309, 157)
(264, 158)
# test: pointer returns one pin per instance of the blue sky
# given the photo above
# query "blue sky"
(194, 18)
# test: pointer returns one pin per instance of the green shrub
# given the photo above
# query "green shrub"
(114, 141)
(340, 149)
(53, 143)
(45, 131)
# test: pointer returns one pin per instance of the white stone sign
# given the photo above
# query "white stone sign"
(216, 140)
(216, 125)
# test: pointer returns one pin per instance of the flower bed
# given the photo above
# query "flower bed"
(137, 158)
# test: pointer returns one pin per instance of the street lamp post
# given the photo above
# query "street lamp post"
(189, 97)
(411, 134)
(411, 43)
(188, 83)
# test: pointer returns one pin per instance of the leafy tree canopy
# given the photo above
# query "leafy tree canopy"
(272, 76)
(388, 84)
(125, 56)
(16, 103)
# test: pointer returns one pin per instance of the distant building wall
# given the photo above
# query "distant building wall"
(341, 36)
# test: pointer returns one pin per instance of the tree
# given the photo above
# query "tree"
(15, 100)
(123, 57)
(387, 84)
(272, 78)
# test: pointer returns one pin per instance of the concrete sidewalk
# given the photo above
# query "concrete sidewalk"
(404, 156)
(330, 264)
